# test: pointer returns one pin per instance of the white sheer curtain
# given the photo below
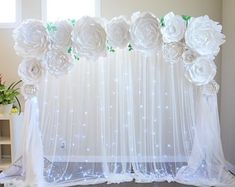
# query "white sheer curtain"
(128, 117)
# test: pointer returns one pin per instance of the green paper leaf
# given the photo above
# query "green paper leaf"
(51, 27)
(72, 22)
(70, 50)
(76, 56)
(130, 47)
(110, 49)
(162, 23)
(186, 18)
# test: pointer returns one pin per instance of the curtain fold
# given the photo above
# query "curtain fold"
(206, 163)
(33, 164)
(29, 168)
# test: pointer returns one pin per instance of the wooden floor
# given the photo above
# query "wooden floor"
(164, 184)
(135, 185)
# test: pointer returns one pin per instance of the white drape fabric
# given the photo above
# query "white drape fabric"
(30, 166)
(33, 150)
(124, 117)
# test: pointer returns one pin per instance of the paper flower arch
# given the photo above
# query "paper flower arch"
(55, 46)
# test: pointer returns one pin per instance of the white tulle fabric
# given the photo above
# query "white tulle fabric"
(127, 117)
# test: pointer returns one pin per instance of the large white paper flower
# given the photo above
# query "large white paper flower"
(30, 70)
(58, 63)
(61, 36)
(31, 39)
(212, 88)
(202, 71)
(145, 32)
(204, 36)
(29, 90)
(174, 28)
(172, 52)
(118, 32)
(189, 56)
(89, 38)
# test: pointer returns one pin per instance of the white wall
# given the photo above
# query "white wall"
(9, 61)
(228, 82)
(111, 8)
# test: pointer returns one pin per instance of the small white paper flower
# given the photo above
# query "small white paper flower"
(204, 36)
(202, 71)
(189, 56)
(118, 32)
(172, 52)
(61, 36)
(29, 90)
(212, 88)
(30, 70)
(31, 39)
(58, 63)
(89, 38)
(145, 32)
(174, 28)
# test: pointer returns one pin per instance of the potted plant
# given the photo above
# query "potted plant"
(8, 96)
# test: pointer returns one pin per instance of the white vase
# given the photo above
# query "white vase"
(5, 109)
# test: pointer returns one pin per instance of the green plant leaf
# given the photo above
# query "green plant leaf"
(14, 84)
(18, 102)
(8, 95)
(11, 85)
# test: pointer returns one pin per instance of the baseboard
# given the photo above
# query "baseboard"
(230, 167)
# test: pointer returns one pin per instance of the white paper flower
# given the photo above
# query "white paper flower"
(174, 28)
(212, 88)
(172, 52)
(118, 32)
(30, 70)
(204, 36)
(31, 39)
(58, 63)
(145, 32)
(61, 36)
(89, 38)
(202, 71)
(29, 90)
(189, 56)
